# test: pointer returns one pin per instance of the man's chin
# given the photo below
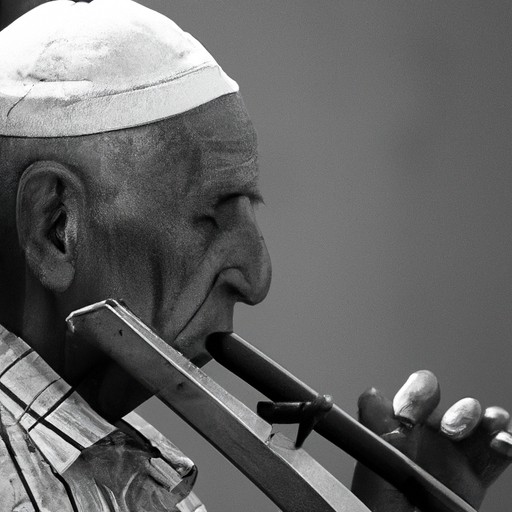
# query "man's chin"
(191, 344)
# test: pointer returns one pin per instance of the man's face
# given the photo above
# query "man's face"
(172, 231)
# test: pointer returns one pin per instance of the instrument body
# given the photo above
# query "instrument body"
(288, 475)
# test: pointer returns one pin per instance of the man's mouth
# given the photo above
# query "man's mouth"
(200, 318)
(213, 315)
(191, 341)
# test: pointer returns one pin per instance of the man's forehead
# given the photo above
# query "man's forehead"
(223, 182)
(214, 146)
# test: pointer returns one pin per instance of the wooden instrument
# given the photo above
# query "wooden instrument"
(286, 473)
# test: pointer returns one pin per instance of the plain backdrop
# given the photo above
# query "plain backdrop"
(385, 138)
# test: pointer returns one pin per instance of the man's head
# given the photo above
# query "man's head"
(143, 192)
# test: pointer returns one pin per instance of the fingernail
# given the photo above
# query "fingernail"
(369, 396)
(461, 418)
(417, 398)
(495, 419)
(502, 443)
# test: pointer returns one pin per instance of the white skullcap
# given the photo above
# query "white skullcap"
(71, 68)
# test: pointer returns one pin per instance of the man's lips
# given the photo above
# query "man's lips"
(208, 319)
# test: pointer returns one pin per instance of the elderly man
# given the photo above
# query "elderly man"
(129, 169)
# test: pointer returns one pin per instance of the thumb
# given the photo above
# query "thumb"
(375, 412)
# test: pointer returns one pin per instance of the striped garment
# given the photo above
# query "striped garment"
(58, 455)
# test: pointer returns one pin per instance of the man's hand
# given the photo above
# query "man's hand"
(466, 448)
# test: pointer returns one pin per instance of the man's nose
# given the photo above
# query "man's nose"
(247, 268)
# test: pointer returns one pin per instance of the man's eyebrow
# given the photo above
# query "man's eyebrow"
(253, 194)
(220, 191)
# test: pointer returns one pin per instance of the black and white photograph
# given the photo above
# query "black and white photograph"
(255, 256)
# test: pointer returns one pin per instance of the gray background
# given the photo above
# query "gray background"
(385, 155)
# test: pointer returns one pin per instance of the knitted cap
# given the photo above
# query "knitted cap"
(70, 69)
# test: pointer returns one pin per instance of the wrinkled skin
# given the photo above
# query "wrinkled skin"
(157, 216)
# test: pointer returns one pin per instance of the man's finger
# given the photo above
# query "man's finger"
(417, 398)
(495, 419)
(502, 444)
(376, 412)
(461, 419)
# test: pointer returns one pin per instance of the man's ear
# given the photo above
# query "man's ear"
(47, 210)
